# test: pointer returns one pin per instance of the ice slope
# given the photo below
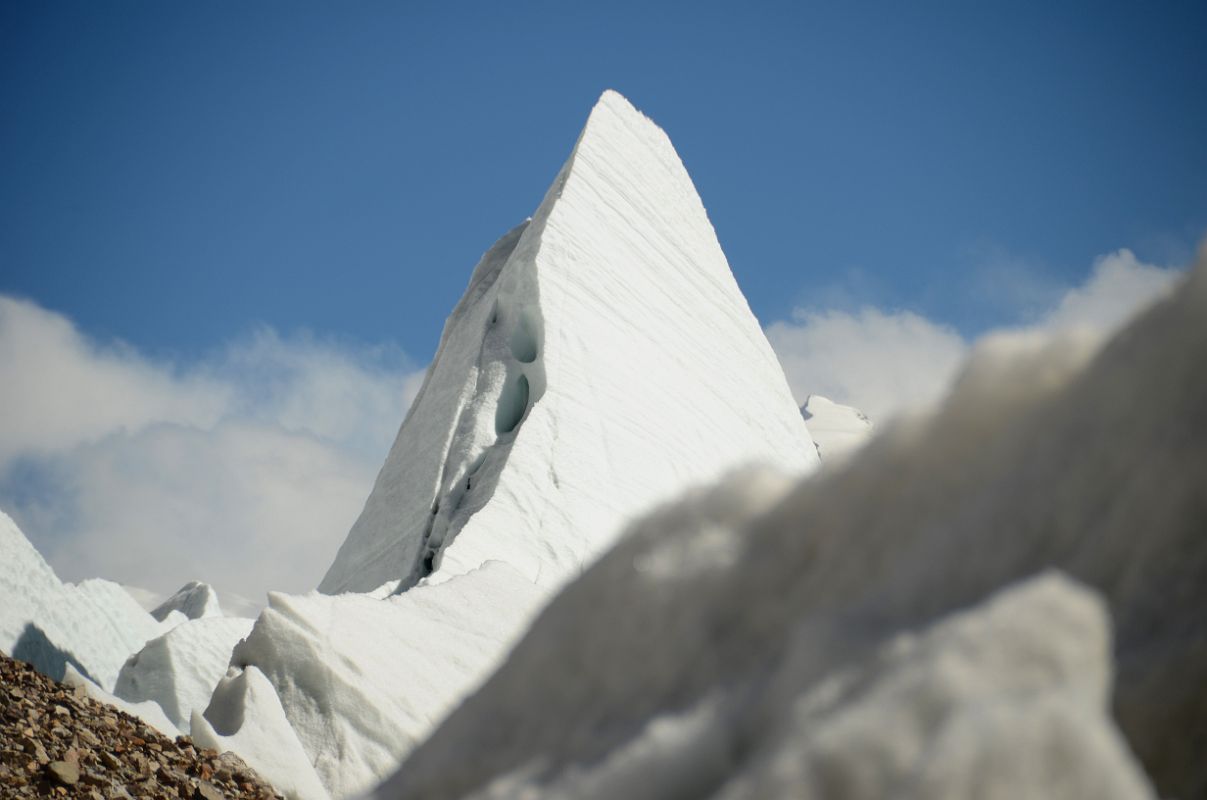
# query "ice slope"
(838, 430)
(361, 680)
(180, 669)
(1008, 699)
(195, 600)
(148, 711)
(601, 360)
(93, 626)
(246, 717)
(714, 618)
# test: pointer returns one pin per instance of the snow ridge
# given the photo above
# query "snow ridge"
(52, 625)
(195, 600)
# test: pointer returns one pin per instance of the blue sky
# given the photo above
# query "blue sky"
(230, 233)
(174, 174)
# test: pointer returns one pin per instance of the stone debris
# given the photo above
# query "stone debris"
(56, 742)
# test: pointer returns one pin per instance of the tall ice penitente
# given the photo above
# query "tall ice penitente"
(601, 360)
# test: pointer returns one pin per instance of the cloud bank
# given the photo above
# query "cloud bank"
(245, 469)
(888, 361)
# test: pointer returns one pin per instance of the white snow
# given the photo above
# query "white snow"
(823, 648)
(362, 680)
(246, 718)
(148, 711)
(893, 628)
(1008, 699)
(602, 360)
(838, 430)
(180, 669)
(195, 600)
(94, 625)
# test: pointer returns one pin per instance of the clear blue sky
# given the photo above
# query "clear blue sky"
(175, 173)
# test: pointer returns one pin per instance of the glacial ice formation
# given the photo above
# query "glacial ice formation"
(837, 430)
(194, 600)
(602, 359)
(93, 625)
(882, 625)
(180, 669)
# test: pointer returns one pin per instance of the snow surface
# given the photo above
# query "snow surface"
(837, 430)
(813, 642)
(362, 680)
(246, 717)
(180, 669)
(148, 711)
(93, 626)
(601, 360)
(1008, 699)
(195, 600)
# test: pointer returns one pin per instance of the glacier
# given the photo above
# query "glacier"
(600, 559)
(838, 430)
(94, 635)
(195, 600)
(601, 360)
(895, 627)
(180, 669)
(92, 626)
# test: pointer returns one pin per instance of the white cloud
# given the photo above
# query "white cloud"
(245, 470)
(879, 361)
(61, 389)
(1119, 286)
(886, 362)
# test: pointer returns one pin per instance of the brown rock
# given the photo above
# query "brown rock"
(50, 734)
(64, 772)
(207, 791)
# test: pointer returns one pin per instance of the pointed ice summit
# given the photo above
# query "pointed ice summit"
(195, 600)
(602, 359)
(838, 430)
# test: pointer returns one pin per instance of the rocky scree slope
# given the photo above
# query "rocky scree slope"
(56, 742)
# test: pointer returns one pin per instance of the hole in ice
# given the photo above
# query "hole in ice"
(429, 562)
(523, 341)
(512, 405)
